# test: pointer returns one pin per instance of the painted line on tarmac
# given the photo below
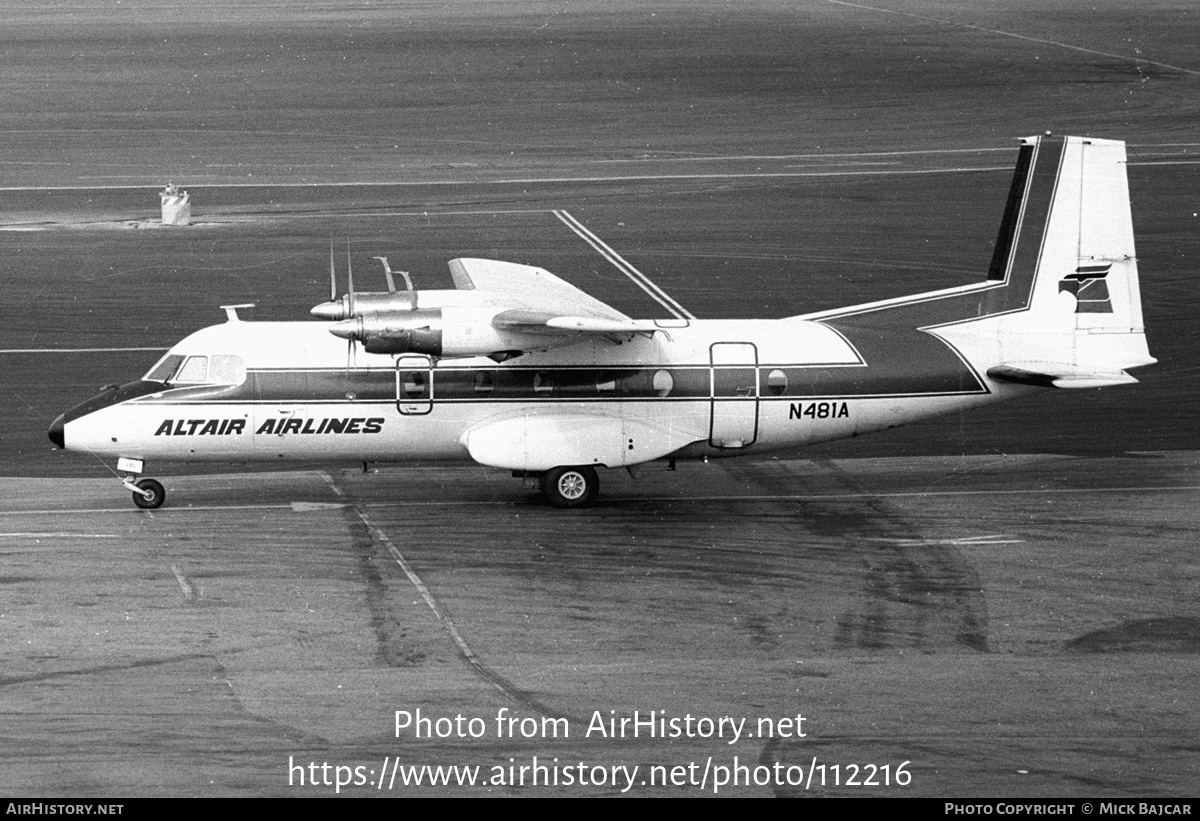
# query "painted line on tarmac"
(641, 280)
(830, 156)
(613, 500)
(46, 535)
(232, 218)
(77, 350)
(963, 541)
(499, 682)
(1025, 37)
(185, 584)
(527, 180)
(134, 510)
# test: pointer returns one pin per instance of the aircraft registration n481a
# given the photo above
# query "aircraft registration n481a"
(517, 369)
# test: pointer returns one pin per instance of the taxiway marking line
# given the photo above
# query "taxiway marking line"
(78, 350)
(1152, 163)
(494, 679)
(524, 181)
(231, 218)
(766, 157)
(625, 499)
(39, 535)
(382, 538)
(961, 541)
(1025, 37)
(641, 280)
(185, 584)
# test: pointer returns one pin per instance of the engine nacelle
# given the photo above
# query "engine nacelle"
(446, 332)
(395, 332)
(370, 302)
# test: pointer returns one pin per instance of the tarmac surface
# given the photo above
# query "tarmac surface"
(1005, 603)
(1023, 626)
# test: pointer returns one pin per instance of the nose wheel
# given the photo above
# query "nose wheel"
(148, 494)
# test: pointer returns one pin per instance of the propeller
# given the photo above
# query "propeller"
(387, 272)
(351, 349)
(350, 275)
(330, 308)
(332, 274)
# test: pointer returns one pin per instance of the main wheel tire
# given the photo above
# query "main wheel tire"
(158, 494)
(571, 486)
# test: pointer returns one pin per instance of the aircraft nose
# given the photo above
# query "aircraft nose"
(56, 432)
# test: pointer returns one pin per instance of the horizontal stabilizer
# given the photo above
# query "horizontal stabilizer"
(537, 442)
(1058, 379)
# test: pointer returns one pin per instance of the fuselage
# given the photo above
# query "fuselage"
(280, 390)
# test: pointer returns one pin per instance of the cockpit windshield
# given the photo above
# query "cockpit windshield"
(219, 369)
(164, 369)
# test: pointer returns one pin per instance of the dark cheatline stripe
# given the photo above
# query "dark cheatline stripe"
(1012, 213)
(1035, 221)
(113, 396)
(900, 357)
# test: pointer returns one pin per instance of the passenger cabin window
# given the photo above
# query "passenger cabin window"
(484, 383)
(664, 383)
(414, 385)
(777, 382)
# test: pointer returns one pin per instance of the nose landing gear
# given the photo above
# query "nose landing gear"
(148, 494)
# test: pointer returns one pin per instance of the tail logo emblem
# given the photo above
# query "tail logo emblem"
(1089, 286)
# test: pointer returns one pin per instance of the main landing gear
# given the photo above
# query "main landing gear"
(570, 486)
(148, 494)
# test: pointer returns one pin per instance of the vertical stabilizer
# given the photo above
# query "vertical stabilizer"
(1070, 306)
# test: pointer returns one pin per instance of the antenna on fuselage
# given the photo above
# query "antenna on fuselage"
(231, 311)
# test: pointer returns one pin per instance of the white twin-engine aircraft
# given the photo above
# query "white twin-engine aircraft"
(520, 370)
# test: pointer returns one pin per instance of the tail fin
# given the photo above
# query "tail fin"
(1069, 313)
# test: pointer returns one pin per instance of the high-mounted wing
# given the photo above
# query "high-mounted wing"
(499, 309)
(526, 287)
(542, 304)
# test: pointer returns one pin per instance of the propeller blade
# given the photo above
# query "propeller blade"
(332, 274)
(387, 273)
(350, 274)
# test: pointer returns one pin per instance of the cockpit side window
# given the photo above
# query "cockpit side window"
(226, 370)
(193, 372)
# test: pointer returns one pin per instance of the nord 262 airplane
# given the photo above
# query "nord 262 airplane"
(517, 369)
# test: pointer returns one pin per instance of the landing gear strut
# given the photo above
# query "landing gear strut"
(570, 486)
(147, 493)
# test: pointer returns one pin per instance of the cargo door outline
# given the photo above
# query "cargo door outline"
(414, 384)
(733, 382)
